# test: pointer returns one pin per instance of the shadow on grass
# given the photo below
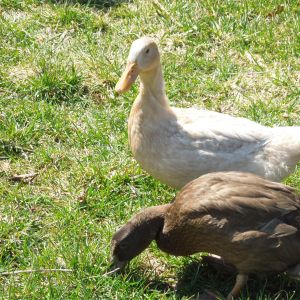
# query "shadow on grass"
(195, 278)
(100, 4)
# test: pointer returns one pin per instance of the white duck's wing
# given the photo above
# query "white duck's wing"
(276, 149)
(217, 133)
(186, 143)
(199, 142)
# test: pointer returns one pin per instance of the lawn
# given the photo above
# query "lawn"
(61, 122)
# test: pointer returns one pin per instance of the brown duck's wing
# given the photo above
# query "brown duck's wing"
(237, 192)
(251, 222)
(246, 200)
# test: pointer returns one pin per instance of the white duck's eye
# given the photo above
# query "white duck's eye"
(147, 51)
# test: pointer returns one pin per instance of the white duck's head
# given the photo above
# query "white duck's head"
(143, 57)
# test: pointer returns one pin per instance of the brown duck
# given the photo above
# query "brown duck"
(252, 223)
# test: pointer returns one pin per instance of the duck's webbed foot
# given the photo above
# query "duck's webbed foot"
(240, 281)
(219, 264)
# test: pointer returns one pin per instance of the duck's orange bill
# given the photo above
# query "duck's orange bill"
(128, 78)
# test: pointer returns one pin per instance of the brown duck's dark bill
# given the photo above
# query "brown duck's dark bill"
(117, 265)
(115, 268)
(128, 78)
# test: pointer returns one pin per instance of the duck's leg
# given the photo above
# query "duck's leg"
(240, 281)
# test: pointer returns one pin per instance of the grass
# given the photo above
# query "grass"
(60, 117)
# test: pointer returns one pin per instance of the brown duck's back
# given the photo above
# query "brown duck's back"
(249, 221)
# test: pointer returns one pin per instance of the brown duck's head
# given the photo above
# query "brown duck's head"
(143, 57)
(135, 236)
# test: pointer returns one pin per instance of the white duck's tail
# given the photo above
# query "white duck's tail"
(287, 139)
(284, 148)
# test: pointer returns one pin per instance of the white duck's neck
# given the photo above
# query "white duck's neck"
(152, 87)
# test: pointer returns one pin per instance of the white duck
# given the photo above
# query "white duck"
(177, 145)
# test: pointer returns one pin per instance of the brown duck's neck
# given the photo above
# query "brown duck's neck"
(151, 220)
(152, 87)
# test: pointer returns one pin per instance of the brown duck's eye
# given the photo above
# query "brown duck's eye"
(147, 51)
(123, 246)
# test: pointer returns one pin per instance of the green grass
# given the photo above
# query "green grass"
(60, 117)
